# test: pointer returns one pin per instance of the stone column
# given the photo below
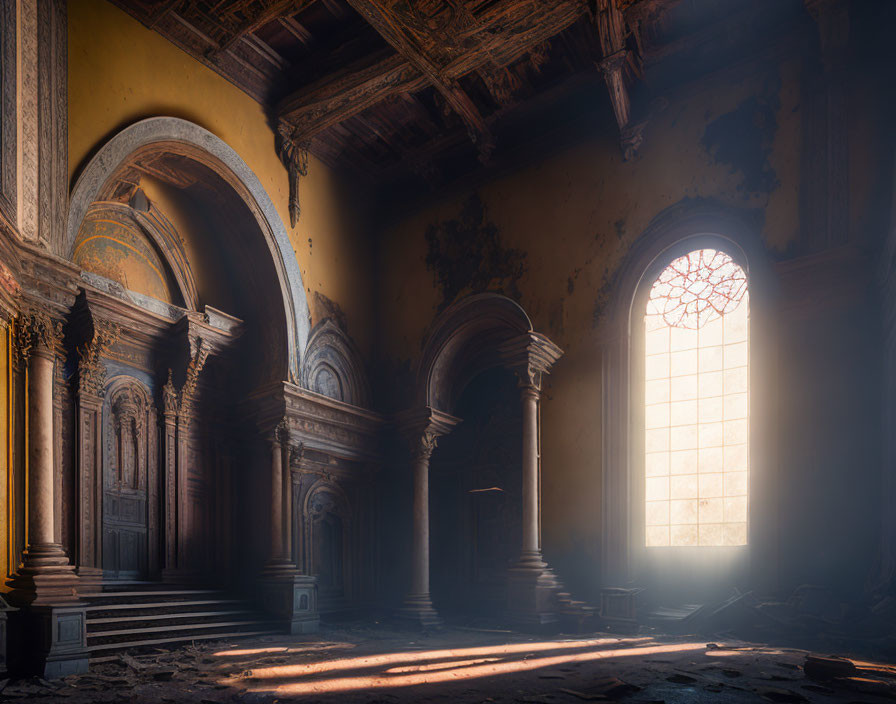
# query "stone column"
(532, 588)
(421, 429)
(278, 555)
(420, 548)
(288, 594)
(45, 582)
(531, 551)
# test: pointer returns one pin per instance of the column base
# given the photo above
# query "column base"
(53, 640)
(290, 597)
(44, 577)
(532, 594)
(418, 612)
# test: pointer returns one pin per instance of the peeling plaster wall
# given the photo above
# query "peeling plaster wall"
(121, 72)
(552, 236)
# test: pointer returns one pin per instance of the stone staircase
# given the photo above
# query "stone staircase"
(125, 615)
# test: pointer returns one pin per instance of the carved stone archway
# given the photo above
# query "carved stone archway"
(475, 334)
(200, 145)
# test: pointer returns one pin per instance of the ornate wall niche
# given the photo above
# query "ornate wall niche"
(130, 480)
(332, 366)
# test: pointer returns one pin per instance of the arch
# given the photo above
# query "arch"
(673, 233)
(465, 340)
(332, 366)
(200, 145)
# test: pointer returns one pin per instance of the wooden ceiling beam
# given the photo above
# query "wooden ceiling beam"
(239, 18)
(420, 50)
(339, 95)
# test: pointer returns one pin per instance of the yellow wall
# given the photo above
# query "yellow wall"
(121, 72)
(568, 221)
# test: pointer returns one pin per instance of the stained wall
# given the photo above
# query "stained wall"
(553, 233)
(121, 72)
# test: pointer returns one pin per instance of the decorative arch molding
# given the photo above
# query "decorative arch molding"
(209, 150)
(673, 233)
(466, 339)
(332, 366)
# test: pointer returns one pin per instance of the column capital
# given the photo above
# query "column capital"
(91, 372)
(36, 332)
(421, 428)
(199, 352)
(531, 356)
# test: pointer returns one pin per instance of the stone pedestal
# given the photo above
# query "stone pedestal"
(291, 598)
(5, 648)
(52, 639)
(531, 597)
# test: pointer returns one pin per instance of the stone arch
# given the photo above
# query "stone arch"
(200, 145)
(332, 366)
(465, 340)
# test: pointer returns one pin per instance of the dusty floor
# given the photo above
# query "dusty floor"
(374, 663)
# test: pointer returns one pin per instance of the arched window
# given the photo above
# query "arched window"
(696, 403)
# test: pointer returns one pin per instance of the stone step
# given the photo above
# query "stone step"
(101, 653)
(96, 611)
(101, 625)
(183, 632)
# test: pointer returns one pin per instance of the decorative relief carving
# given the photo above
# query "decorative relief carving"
(169, 397)
(201, 351)
(423, 446)
(295, 157)
(91, 371)
(35, 332)
(332, 366)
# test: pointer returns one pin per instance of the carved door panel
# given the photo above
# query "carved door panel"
(125, 482)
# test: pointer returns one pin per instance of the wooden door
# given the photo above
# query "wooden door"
(125, 504)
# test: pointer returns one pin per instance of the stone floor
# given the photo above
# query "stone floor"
(376, 663)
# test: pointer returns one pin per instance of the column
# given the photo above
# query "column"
(421, 428)
(288, 594)
(38, 337)
(277, 555)
(420, 550)
(417, 606)
(54, 619)
(533, 591)
(531, 548)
